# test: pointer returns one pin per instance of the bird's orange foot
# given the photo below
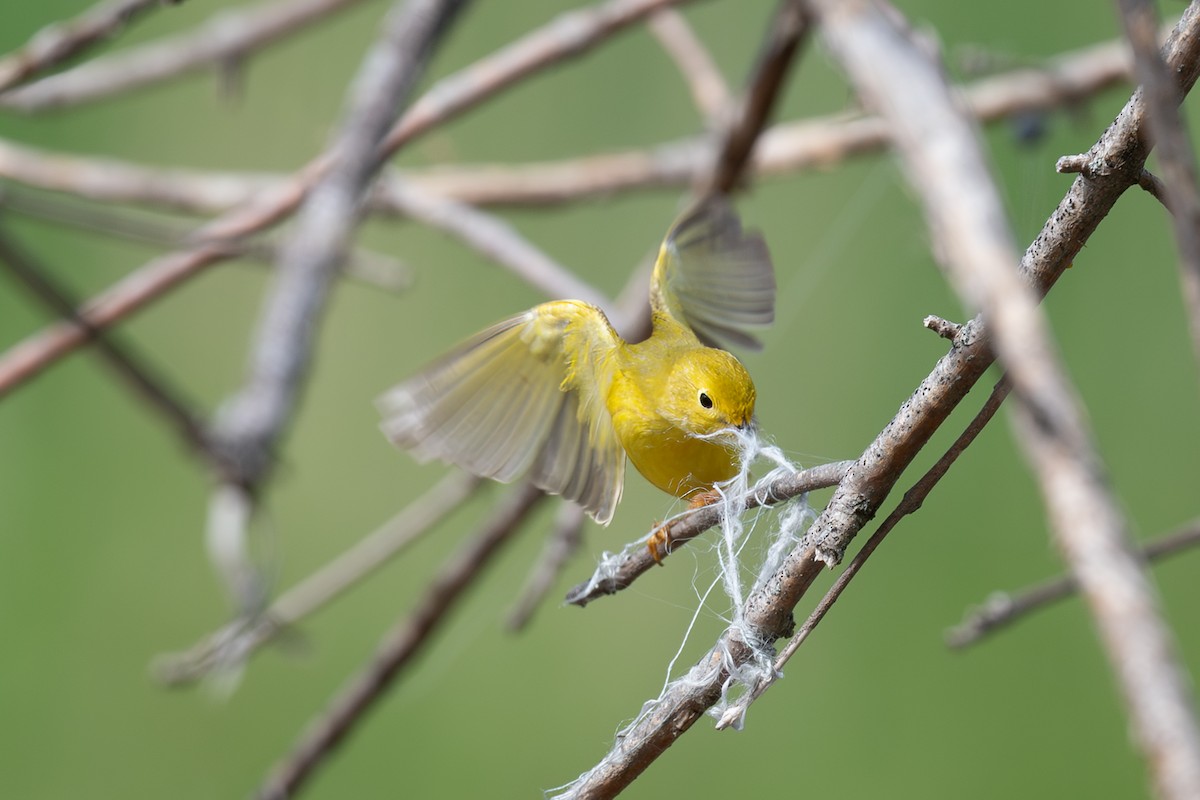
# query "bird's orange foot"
(659, 543)
(702, 499)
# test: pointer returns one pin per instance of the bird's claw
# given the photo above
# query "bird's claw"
(659, 543)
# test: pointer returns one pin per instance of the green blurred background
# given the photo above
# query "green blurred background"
(102, 561)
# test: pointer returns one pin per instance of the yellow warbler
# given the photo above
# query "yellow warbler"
(556, 393)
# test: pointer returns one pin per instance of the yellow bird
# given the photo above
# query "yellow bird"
(556, 393)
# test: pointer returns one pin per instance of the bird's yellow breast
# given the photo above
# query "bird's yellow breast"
(671, 458)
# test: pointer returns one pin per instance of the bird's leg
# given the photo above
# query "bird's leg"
(659, 543)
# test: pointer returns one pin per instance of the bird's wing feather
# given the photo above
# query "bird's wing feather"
(714, 277)
(525, 395)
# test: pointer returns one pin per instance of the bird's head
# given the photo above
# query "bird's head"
(708, 391)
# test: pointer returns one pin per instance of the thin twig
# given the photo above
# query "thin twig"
(636, 559)
(784, 36)
(57, 42)
(367, 266)
(164, 399)
(1004, 608)
(491, 236)
(570, 34)
(942, 327)
(944, 161)
(709, 91)
(30, 357)
(228, 37)
(1154, 187)
(115, 181)
(912, 501)
(562, 543)
(231, 646)
(1173, 150)
(400, 645)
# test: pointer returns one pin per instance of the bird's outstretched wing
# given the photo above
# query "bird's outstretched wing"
(714, 277)
(524, 396)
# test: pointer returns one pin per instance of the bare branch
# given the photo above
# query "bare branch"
(400, 645)
(226, 38)
(571, 34)
(231, 646)
(944, 161)
(709, 90)
(1003, 608)
(785, 33)
(1154, 187)
(913, 499)
(367, 266)
(561, 545)
(57, 42)
(1176, 161)
(111, 180)
(942, 327)
(139, 376)
(491, 236)
(635, 560)
(28, 358)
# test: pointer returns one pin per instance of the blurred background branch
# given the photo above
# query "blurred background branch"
(62, 40)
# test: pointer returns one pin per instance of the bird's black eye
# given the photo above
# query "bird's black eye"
(705, 400)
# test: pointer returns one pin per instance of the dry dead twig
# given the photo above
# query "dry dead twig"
(1004, 608)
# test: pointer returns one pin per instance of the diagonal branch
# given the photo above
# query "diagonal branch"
(909, 504)
(859, 495)
(944, 161)
(1003, 609)
(400, 645)
(152, 388)
(1176, 160)
(785, 33)
(561, 544)
(232, 645)
(226, 38)
(58, 42)
(29, 357)
(571, 34)
(490, 236)
(696, 65)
